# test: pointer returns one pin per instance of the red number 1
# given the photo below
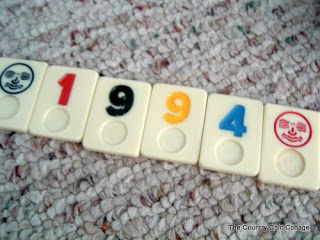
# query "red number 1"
(66, 82)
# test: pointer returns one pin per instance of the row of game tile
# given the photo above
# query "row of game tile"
(167, 122)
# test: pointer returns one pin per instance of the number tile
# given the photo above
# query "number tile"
(20, 81)
(232, 135)
(174, 124)
(290, 151)
(64, 103)
(117, 117)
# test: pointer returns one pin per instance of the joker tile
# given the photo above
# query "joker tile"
(290, 151)
(20, 81)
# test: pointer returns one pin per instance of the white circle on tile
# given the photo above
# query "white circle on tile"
(9, 106)
(114, 132)
(290, 163)
(56, 120)
(172, 140)
(229, 152)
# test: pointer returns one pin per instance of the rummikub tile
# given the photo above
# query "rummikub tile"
(290, 149)
(20, 81)
(232, 135)
(174, 124)
(64, 102)
(117, 117)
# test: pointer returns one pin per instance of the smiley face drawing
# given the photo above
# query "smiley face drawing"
(16, 78)
(293, 129)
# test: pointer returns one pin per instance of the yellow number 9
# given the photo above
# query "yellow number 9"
(180, 109)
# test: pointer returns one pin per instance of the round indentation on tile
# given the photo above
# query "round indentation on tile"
(9, 106)
(172, 140)
(56, 120)
(229, 152)
(290, 163)
(114, 132)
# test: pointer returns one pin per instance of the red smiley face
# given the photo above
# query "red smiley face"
(293, 129)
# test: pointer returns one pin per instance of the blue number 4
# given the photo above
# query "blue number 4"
(233, 121)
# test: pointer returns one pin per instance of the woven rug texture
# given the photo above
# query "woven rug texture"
(265, 50)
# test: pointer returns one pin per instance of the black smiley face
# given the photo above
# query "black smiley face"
(16, 78)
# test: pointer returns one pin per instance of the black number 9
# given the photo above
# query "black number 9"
(121, 97)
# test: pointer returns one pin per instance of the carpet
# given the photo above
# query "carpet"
(265, 50)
